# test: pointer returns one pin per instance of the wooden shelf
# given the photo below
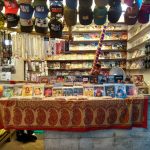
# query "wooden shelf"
(93, 51)
(136, 58)
(70, 69)
(77, 41)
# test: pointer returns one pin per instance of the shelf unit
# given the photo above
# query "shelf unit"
(69, 56)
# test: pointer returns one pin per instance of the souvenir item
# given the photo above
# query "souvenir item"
(88, 91)
(38, 90)
(120, 91)
(27, 90)
(110, 90)
(99, 90)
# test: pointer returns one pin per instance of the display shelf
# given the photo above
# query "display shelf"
(96, 40)
(136, 58)
(94, 50)
(139, 32)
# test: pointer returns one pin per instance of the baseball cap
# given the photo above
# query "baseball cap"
(101, 3)
(70, 16)
(71, 4)
(55, 26)
(24, 1)
(85, 3)
(114, 13)
(56, 9)
(2, 20)
(131, 15)
(11, 7)
(100, 15)
(41, 25)
(146, 7)
(85, 15)
(143, 16)
(26, 25)
(26, 11)
(12, 20)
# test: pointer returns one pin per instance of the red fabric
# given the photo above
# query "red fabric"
(73, 115)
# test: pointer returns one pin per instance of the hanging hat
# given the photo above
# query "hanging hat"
(114, 2)
(70, 16)
(100, 15)
(11, 7)
(129, 2)
(114, 13)
(26, 11)
(41, 9)
(2, 20)
(143, 16)
(56, 9)
(85, 15)
(71, 4)
(55, 26)
(1, 5)
(85, 3)
(101, 3)
(26, 25)
(41, 25)
(131, 15)
(12, 20)
(24, 1)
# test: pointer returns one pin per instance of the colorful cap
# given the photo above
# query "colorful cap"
(2, 20)
(100, 15)
(85, 3)
(114, 2)
(71, 4)
(26, 11)
(24, 1)
(12, 20)
(114, 13)
(11, 7)
(143, 16)
(26, 25)
(129, 2)
(41, 25)
(85, 15)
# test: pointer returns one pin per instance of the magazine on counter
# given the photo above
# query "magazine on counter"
(120, 91)
(99, 90)
(110, 90)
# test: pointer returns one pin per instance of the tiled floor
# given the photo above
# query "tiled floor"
(15, 145)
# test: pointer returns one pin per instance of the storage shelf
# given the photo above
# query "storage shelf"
(136, 58)
(77, 41)
(93, 51)
(140, 33)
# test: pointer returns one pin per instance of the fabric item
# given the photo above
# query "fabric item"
(85, 15)
(101, 3)
(85, 3)
(114, 13)
(11, 7)
(139, 3)
(41, 11)
(70, 16)
(100, 15)
(26, 25)
(41, 25)
(131, 15)
(24, 1)
(12, 20)
(71, 4)
(39, 3)
(114, 2)
(2, 20)
(26, 11)
(56, 9)
(129, 2)
(56, 28)
(143, 16)
(73, 115)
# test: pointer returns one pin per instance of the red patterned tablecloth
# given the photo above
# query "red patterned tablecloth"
(73, 115)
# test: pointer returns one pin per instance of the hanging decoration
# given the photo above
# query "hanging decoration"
(99, 48)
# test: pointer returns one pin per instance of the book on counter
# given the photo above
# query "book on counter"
(57, 91)
(111, 79)
(1, 90)
(102, 79)
(68, 91)
(47, 90)
(118, 78)
(131, 89)
(99, 90)
(120, 91)
(8, 91)
(18, 90)
(38, 90)
(88, 90)
(93, 79)
(138, 80)
(110, 90)
(27, 90)
(78, 90)
(85, 79)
